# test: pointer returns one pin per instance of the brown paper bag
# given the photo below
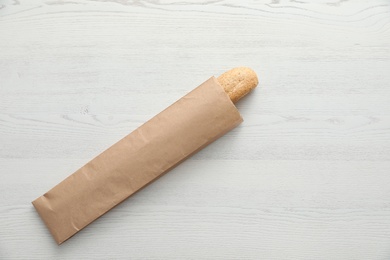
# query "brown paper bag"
(191, 123)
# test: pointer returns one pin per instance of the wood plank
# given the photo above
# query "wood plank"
(259, 137)
(276, 209)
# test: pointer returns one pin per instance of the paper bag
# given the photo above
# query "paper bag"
(185, 127)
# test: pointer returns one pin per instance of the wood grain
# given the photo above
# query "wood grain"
(306, 176)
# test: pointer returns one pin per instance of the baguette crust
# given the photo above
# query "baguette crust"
(238, 82)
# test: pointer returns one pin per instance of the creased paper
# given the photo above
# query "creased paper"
(188, 125)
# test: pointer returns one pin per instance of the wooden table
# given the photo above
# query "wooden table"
(306, 176)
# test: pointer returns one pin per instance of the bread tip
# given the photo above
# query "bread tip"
(238, 82)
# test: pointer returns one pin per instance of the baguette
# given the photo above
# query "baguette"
(238, 82)
(185, 127)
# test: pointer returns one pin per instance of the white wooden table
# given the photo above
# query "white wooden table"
(306, 176)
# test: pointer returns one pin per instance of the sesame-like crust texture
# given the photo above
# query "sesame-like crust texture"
(238, 82)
